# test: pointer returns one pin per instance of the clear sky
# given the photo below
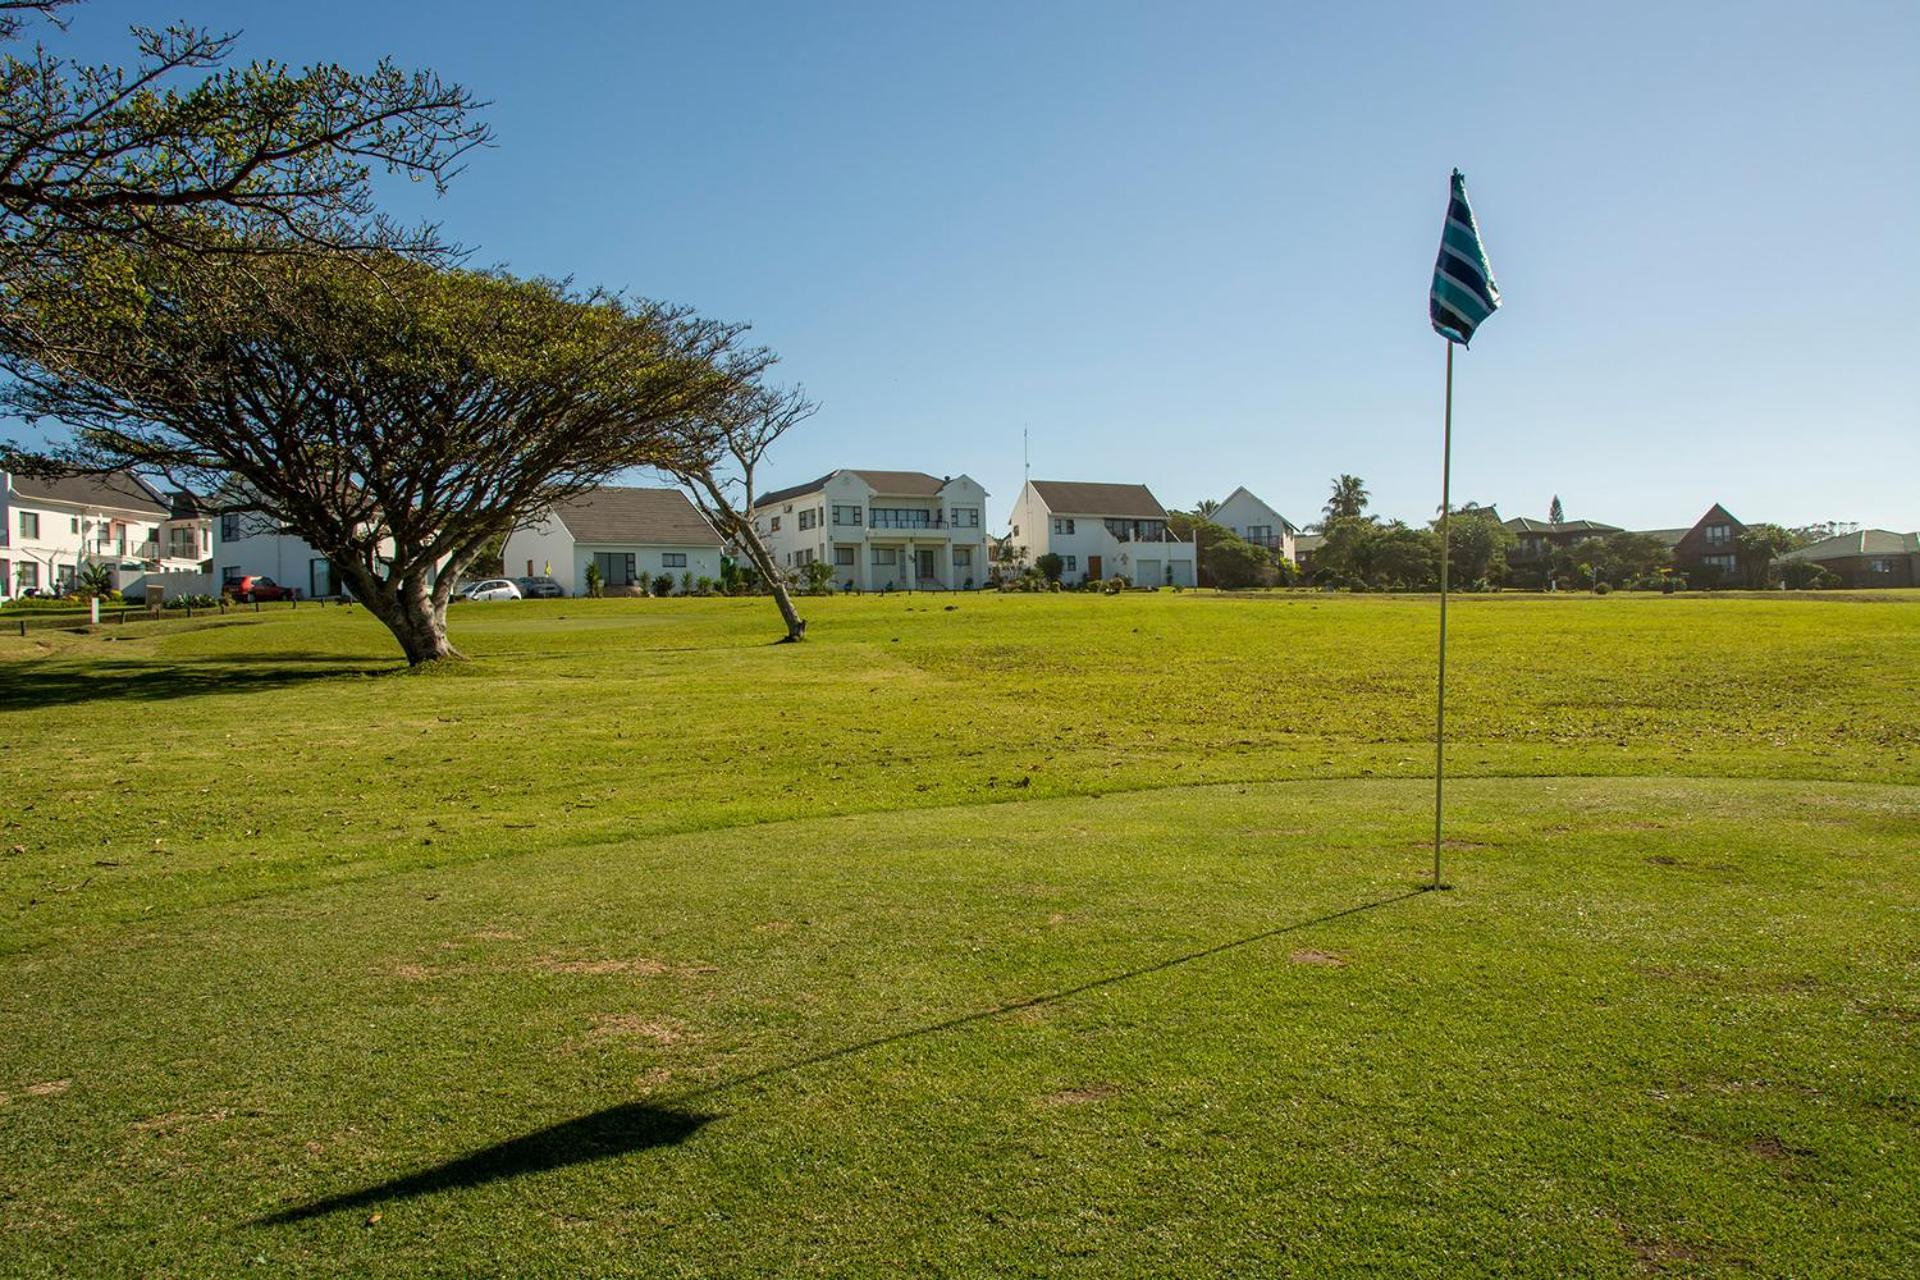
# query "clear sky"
(1189, 244)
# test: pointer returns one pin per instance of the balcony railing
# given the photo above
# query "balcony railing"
(878, 519)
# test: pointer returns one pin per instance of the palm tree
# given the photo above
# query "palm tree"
(1206, 507)
(1349, 498)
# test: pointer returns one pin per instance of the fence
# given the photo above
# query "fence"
(20, 621)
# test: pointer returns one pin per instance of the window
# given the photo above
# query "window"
(673, 560)
(1879, 566)
(73, 524)
(1718, 562)
(847, 515)
(965, 517)
(886, 556)
(29, 524)
(1073, 564)
(775, 524)
(1719, 533)
(904, 518)
(1257, 531)
(843, 556)
(231, 573)
(805, 557)
(616, 567)
(963, 557)
(809, 518)
(1063, 524)
(29, 578)
(230, 526)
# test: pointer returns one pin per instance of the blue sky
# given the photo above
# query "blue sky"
(1190, 244)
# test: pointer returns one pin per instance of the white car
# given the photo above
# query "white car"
(491, 589)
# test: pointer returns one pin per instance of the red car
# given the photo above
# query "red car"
(251, 587)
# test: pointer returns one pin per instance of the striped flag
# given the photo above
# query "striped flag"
(1464, 293)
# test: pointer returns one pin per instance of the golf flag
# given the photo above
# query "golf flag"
(1464, 293)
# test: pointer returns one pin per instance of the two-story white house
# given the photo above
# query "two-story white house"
(880, 530)
(1100, 530)
(1246, 516)
(632, 535)
(49, 528)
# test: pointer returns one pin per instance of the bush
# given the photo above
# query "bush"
(190, 602)
(1050, 566)
(595, 583)
(1116, 584)
(663, 585)
(1601, 588)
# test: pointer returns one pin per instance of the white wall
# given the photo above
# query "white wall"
(1042, 531)
(263, 552)
(649, 562)
(1242, 510)
(790, 545)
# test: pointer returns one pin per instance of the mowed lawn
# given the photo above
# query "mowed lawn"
(977, 935)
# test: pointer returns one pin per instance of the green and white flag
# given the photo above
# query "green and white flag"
(1464, 293)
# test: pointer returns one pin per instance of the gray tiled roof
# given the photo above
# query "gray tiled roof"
(1079, 498)
(120, 490)
(614, 515)
(892, 484)
(1866, 542)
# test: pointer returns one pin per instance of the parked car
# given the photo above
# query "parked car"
(491, 589)
(540, 588)
(251, 587)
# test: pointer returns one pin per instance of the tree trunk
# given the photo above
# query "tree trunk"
(409, 609)
(776, 581)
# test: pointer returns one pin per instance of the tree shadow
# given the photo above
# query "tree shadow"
(25, 686)
(615, 1131)
(635, 1126)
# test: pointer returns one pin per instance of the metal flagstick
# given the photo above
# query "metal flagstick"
(1440, 700)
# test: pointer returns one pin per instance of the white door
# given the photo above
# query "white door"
(1182, 572)
(1149, 574)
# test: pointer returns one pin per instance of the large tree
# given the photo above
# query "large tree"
(184, 150)
(396, 415)
(1477, 546)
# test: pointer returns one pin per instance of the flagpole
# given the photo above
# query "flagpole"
(1440, 699)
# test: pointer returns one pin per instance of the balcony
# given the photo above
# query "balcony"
(1271, 541)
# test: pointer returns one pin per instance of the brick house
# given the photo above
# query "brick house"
(1869, 558)
(1709, 552)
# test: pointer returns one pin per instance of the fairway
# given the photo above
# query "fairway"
(979, 934)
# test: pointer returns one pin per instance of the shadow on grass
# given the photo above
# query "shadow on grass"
(636, 1126)
(1051, 997)
(29, 685)
(616, 1131)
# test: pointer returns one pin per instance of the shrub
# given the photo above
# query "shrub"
(1116, 584)
(686, 583)
(595, 583)
(663, 585)
(819, 577)
(1601, 588)
(1050, 566)
(190, 602)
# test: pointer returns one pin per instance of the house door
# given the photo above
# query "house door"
(923, 569)
(319, 579)
(1093, 567)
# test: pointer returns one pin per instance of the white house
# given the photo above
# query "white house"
(633, 535)
(247, 544)
(49, 528)
(1246, 516)
(1100, 530)
(880, 530)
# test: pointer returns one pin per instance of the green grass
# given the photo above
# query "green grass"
(1056, 935)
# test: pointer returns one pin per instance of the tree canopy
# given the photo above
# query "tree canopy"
(1349, 498)
(397, 415)
(183, 150)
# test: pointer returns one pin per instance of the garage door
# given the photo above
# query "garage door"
(1182, 572)
(1149, 574)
